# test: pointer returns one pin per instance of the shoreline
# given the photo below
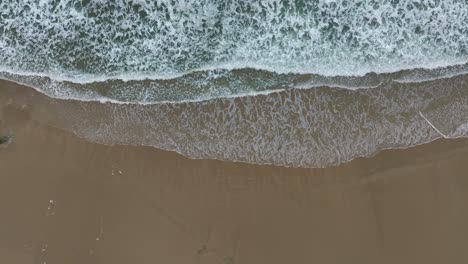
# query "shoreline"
(67, 200)
(403, 76)
(154, 122)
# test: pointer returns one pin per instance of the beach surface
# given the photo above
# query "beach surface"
(66, 200)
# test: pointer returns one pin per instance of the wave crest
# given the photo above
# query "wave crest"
(94, 39)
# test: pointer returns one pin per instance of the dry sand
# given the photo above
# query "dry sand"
(64, 200)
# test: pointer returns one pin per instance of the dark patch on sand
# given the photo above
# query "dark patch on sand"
(5, 139)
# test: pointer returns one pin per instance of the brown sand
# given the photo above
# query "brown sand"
(64, 200)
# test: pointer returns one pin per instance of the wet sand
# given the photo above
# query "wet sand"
(65, 200)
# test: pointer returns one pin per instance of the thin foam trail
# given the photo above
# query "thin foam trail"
(434, 127)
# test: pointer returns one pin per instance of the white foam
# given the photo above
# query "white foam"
(106, 40)
(205, 86)
(300, 128)
(432, 125)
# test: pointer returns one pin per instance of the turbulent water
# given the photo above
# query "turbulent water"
(296, 83)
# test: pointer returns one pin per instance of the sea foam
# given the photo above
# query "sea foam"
(86, 41)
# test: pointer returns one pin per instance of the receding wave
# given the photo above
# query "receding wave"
(218, 83)
(316, 127)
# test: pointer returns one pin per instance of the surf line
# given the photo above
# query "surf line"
(435, 128)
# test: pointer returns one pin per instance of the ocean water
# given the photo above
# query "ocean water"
(294, 83)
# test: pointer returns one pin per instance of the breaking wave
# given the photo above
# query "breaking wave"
(294, 83)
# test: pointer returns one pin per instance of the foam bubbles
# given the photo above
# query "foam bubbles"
(300, 127)
(76, 40)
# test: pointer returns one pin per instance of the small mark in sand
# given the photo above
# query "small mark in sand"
(29, 246)
(44, 247)
(118, 175)
(42, 253)
(203, 250)
(51, 208)
(116, 171)
(229, 260)
(5, 139)
(101, 229)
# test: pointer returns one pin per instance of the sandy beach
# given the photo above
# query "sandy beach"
(65, 200)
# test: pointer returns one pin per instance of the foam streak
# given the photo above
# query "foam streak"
(432, 125)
